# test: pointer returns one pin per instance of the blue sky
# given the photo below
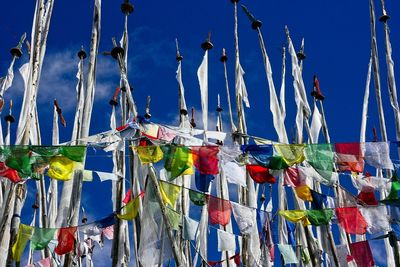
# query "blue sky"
(337, 44)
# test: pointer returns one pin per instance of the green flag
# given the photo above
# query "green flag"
(41, 238)
(319, 217)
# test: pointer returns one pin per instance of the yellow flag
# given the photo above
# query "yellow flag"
(25, 233)
(295, 216)
(169, 193)
(130, 210)
(304, 192)
(291, 154)
(61, 168)
(189, 163)
(149, 154)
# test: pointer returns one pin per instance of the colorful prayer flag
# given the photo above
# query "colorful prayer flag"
(149, 154)
(219, 210)
(24, 235)
(66, 240)
(260, 174)
(205, 159)
(351, 220)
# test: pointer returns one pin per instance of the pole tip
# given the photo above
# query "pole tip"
(223, 58)
(127, 8)
(384, 18)
(207, 45)
(256, 24)
(117, 51)
(16, 52)
(82, 53)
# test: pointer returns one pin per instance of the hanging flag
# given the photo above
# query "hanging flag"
(66, 240)
(288, 254)
(106, 176)
(295, 216)
(128, 196)
(349, 157)
(108, 232)
(234, 173)
(190, 227)
(262, 154)
(197, 198)
(61, 168)
(203, 181)
(316, 124)
(291, 177)
(320, 157)
(130, 210)
(149, 130)
(393, 198)
(178, 161)
(368, 198)
(205, 159)
(169, 193)
(166, 134)
(219, 210)
(174, 218)
(226, 241)
(9, 173)
(291, 154)
(351, 220)
(245, 218)
(303, 192)
(24, 235)
(345, 199)
(202, 74)
(260, 174)
(19, 159)
(376, 218)
(319, 217)
(377, 154)
(75, 153)
(41, 238)
(361, 252)
(149, 154)
(241, 86)
(318, 200)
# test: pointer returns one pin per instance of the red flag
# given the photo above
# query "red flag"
(219, 210)
(66, 240)
(352, 221)
(9, 173)
(349, 157)
(368, 198)
(205, 159)
(260, 174)
(128, 196)
(362, 254)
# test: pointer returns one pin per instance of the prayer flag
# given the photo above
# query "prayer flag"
(362, 254)
(319, 217)
(245, 217)
(349, 157)
(226, 241)
(66, 240)
(260, 174)
(205, 159)
(288, 254)
(41, 238)
(61, 168)
(219, 210)
(149, 154)
(24, 235)
(130, 210)
(295, 216)
(197, 198)
(203, 181)
(190, 227)
(291, 154)
(303, 192)
(178, 161)
(351, 220)
(234, 173)
(169, 193)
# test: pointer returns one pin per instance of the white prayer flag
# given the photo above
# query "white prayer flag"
(226, 241)
(234, 173)
(245, 217)
(202, 74)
